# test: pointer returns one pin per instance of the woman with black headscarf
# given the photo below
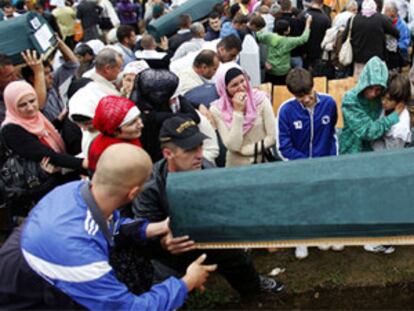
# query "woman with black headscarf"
(155, 96)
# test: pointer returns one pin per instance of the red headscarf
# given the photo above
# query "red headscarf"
(111, 113)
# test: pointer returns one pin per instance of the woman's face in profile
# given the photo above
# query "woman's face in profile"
(236, 85)
(27, 107)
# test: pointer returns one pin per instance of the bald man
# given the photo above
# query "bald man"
(60, 257)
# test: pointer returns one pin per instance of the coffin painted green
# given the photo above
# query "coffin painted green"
(167, 24)
(18, 34)
(364, 195)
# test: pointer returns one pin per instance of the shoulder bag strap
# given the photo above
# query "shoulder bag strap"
(350, 27)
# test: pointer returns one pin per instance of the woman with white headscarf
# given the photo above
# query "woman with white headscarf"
(369, 28)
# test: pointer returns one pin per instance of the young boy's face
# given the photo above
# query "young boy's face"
(307, 100)
(387, 103)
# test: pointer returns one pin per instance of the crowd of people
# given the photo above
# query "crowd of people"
(115, 110)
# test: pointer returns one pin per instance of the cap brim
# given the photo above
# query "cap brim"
(191, 142)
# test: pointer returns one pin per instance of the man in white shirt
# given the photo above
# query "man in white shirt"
(195, 44)
(204, 68)
(82, 105)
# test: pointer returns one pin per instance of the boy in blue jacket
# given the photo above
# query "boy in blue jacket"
(306, 125)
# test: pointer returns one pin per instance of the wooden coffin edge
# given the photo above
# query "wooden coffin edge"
(395, 240)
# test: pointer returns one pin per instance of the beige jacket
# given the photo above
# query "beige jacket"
(240, 148)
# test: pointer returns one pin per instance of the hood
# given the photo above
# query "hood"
(153, 88)
(375, 72)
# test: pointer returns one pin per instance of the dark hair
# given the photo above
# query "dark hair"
(6, 3)
(285, 5)
(80, 118)
(240, 19)
(299, 81)
(318, 2)
(230, 42)
(83, 49)
(158, 10)
(398, 88)
(123, 32)
(185, 21)
(281, 26)
(5, 60)
(219, 8)
(28, 74)
(234, 9)
(379, 4)
(258, 21)
(205, 57)
(214, 15)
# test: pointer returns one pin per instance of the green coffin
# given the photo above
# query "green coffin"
(352, 199)
(167, 24)
(29, 31)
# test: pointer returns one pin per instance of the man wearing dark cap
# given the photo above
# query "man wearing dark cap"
(181, 144)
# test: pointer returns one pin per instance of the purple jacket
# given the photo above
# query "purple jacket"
(129, 13)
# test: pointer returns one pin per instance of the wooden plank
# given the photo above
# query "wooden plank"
(281, 93)
(337, 89)
(320, 84)
(267, 88)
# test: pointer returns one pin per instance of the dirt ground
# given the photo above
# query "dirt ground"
(351, 279)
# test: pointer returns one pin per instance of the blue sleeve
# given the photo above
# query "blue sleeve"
(285, 145)
(107, 293)
(405, 38)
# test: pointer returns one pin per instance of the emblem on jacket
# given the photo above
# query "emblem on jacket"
(297, 125)
(326, 120)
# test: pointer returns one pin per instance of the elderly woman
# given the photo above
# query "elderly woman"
(129, 74)
(368, 34)
(28, 133)
(118, 120)
(244, 117)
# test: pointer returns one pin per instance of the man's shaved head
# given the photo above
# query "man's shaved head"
(122, 166)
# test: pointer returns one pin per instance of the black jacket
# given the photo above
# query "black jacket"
(320, 23)
(152, 203)
(176, 40)
(88, 12)
(368, 36)
(30, 147)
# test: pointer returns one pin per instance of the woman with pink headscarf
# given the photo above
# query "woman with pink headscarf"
(369, 28)
(244, 116)
(28, 133)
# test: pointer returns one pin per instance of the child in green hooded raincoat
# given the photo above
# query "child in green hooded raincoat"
(361, 108)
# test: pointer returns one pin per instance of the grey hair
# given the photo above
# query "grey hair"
(106, 56)
(392, 5)
(351, 4)
(197, 29)
(275, 8)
